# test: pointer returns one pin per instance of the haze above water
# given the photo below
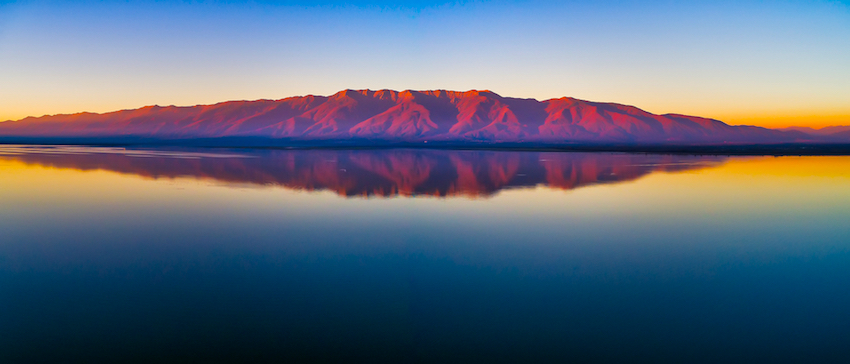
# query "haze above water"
(421, 255)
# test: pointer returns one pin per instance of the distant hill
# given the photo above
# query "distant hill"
(827, 131)
(407, 116)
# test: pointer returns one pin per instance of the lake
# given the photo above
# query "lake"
(402, 255)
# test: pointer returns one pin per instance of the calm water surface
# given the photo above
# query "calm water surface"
(108, 254)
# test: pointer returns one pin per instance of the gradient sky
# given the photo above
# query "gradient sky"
(769, 63)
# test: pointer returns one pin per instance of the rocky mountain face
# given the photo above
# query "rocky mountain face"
(414, 116)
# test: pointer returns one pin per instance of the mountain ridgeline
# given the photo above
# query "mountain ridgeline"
(407, 116)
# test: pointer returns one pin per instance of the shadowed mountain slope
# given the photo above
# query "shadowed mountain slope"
(407, 116)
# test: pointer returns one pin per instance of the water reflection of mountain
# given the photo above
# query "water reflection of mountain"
(385, 172)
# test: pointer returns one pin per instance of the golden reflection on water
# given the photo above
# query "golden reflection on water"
(371, 173)
(583, 184)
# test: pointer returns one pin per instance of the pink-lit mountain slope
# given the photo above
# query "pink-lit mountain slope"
(388, 115)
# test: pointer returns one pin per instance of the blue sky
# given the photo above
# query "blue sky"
(770, 63)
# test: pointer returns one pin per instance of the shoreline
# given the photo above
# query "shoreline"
(774, 149)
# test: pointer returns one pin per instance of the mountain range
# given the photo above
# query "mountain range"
(367, 116)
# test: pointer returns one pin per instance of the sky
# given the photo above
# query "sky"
(767, 63)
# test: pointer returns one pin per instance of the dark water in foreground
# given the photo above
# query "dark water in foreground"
(421, 256)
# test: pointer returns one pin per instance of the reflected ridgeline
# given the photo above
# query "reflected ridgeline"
(382, 172)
